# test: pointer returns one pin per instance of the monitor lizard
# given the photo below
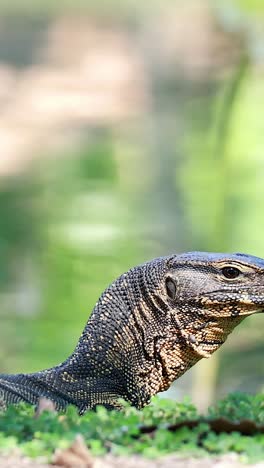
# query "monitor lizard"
(147, 329)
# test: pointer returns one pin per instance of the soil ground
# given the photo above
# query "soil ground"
(109, 461)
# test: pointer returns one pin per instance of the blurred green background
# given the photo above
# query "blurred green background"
(128, 130)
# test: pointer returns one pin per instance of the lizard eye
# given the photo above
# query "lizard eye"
(231, 272)
(170, 288)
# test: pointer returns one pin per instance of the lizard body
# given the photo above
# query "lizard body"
(147, 329)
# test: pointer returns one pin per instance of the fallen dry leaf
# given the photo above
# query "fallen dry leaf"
(44, 404)
(76, 456)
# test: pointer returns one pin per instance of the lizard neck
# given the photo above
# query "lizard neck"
(135, 349)
(191, 336)
(117, 349)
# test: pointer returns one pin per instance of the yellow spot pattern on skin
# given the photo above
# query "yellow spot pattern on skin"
(68, 378)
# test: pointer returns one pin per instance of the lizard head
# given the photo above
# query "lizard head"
(209, 295)
(219, 285)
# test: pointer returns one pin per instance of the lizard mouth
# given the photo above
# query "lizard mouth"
(231, 302)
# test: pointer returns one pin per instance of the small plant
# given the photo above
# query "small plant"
(240, 406)
(162, 427)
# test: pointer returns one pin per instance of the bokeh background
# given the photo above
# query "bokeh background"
(128, 130)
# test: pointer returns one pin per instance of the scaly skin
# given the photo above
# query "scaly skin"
(149, 327)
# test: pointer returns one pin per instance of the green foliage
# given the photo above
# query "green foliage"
(161, 428)
(250, 447)
(240, 406)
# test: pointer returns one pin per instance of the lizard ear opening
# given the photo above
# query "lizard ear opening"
(171, 287)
